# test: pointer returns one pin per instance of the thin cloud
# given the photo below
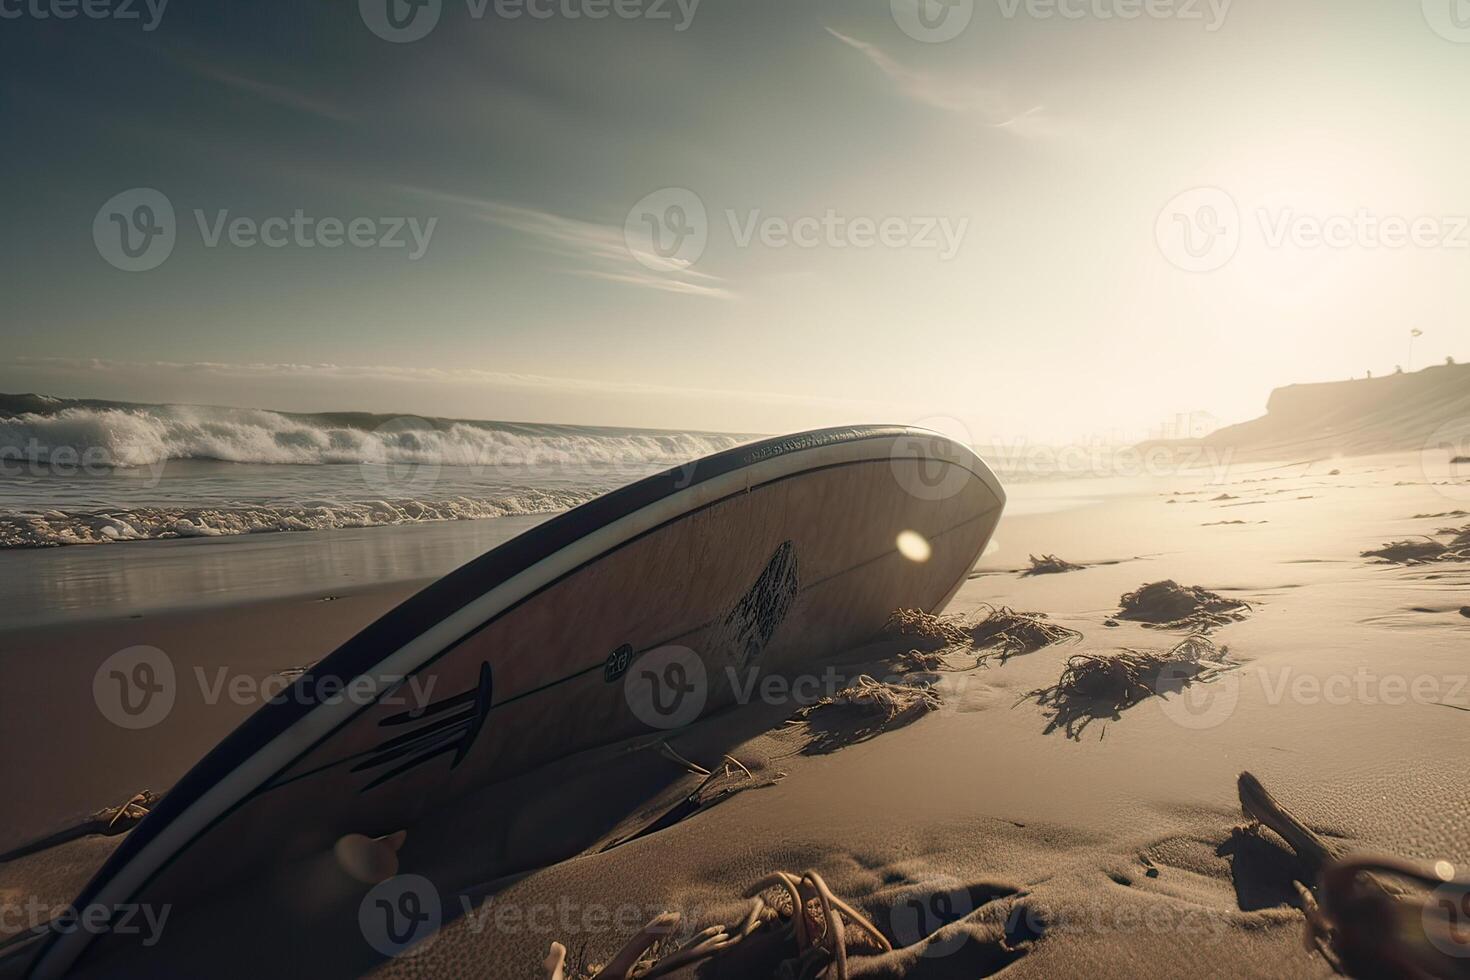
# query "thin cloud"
(600, 249)
(946, 94)
(267, 91)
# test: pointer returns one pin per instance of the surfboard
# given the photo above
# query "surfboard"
(637, 612)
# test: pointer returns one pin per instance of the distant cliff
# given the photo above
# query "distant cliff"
(1376, 415)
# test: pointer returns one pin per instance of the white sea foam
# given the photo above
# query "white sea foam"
(145, 436)
(55, 527)
(75, 472)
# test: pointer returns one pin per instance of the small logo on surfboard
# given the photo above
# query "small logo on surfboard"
(617, 663)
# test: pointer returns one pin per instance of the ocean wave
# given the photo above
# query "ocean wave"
(103, 434)
(54, 528)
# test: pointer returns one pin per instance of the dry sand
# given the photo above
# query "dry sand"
(1115, 853)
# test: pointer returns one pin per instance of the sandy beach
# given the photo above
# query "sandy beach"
(978, 837)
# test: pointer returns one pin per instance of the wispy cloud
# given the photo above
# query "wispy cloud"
(948, 94)
(272, 92)
(600, 250)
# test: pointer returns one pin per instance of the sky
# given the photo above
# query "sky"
(1043, 218)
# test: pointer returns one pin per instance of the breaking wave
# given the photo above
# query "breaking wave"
(55, 527)
(110, 434)
(76, 471)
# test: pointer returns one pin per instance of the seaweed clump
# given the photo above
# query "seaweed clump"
(1049, 565)
(1001, 631)
(1410, 552)
(862, 710)
(1169, 605)
(1096, 686)
(1419, 551)
(926, 631)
